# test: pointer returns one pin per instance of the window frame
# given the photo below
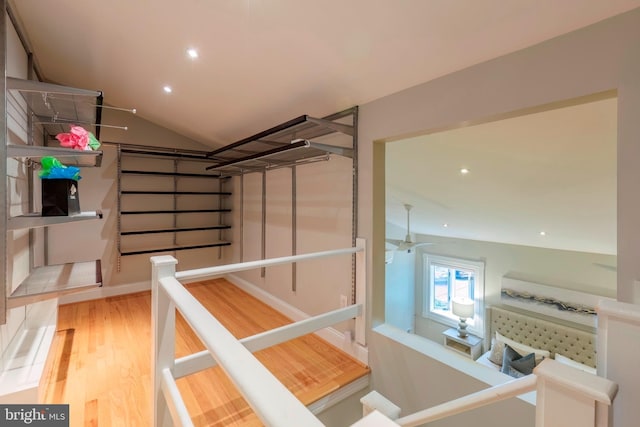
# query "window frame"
(478, 267)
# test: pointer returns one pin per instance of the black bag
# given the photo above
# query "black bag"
(60, 197)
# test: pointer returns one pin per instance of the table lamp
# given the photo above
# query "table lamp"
(464, 309)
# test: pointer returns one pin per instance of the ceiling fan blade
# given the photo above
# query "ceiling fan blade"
(416, 245)
(407, 244)
(395, 242)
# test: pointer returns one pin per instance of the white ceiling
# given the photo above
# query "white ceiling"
(264, 62)
(553, 171)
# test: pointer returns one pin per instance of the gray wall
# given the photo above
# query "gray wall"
(598, 58)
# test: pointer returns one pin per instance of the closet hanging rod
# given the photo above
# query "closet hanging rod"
(128, 110)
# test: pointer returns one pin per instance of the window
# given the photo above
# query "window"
(446, 278)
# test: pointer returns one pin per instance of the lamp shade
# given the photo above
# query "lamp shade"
(463, 307)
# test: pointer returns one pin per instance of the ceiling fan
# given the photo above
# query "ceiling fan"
(407, 244)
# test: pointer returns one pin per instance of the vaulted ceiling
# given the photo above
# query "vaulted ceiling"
(546, 179)
(263, 62)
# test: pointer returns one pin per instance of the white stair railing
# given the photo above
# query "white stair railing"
(564, 397)
(273, 404)
(475, 400)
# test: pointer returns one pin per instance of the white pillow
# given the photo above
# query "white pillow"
(569, 362)
(523, 349)
(497, 348)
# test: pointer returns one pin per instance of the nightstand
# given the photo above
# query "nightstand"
(470, 346)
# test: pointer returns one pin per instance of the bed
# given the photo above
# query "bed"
(535, 339)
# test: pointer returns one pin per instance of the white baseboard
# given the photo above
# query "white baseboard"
(330, 335)
(105, 292)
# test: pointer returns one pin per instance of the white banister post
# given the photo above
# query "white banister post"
(566, 396)
(361, 290)
(163, 325)
(618, 337)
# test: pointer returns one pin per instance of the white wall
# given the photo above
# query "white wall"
(323, 222)
(404, 279)
(415, 382)
(595, 59)
(400, 289)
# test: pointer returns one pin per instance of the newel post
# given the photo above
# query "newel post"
(163, 320)
(569, 397)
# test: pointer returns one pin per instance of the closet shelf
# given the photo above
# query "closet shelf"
(175, 230)
(142, 227)
(179, 193)
(35, 220)
(53, 281)
(175, 248)
(287, 144)
(67, 156)
(159, 152)
(181, 174)
(55, 107)
(173, 211)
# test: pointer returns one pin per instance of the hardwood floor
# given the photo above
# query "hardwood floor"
(100, 360)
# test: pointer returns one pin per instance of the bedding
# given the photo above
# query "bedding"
(512, 358)
(554, 338)
(534, 339)
(516, 365)
(484, 360)
(567, 361)
(523, 349)
(499, 342)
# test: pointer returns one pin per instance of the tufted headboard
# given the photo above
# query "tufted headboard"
(574, 343)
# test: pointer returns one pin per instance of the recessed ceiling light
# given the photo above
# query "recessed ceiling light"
(167, 89)
(543, 233)
(464, 171)
(445, 225)
(193, 54)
